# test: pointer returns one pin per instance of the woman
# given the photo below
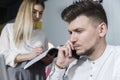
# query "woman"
(22, 41)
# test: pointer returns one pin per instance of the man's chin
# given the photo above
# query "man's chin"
(80, 52)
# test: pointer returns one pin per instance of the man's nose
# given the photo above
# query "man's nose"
(73, 38)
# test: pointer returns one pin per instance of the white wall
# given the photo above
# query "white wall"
(112, 8)
(56, 29)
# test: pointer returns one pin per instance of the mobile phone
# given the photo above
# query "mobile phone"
(74, 54)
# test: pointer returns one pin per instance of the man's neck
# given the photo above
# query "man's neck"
(99, 50)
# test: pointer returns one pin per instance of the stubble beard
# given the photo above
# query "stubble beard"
(88, 52)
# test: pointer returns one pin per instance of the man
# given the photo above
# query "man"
(87, 27)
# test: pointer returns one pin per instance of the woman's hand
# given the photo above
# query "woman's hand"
(28, 56)
(36, 51)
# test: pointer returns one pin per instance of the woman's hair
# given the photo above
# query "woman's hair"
(41, 2)
(23, 26)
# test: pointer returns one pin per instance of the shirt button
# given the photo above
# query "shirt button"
(93, 62)
(91, 75)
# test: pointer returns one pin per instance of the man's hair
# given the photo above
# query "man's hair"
(92, 9)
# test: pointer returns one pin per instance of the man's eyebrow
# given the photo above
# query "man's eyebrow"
(76, 29)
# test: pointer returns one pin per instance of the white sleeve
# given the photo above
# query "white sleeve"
(4, 40)
(56, 73)
(116, 72)
(10, 56)
(116, 68)
(5, 46)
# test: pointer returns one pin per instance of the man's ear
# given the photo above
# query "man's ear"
(102, 29)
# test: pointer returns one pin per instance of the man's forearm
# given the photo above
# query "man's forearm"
(56, 73)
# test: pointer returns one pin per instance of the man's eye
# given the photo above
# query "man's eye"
(70, 33)
(78, 31)
(40, 13)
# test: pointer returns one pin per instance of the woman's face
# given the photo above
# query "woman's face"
(37, 12)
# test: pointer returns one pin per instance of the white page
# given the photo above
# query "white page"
(35, 59)
(39, 57)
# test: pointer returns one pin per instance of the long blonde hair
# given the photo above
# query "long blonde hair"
(23, 26)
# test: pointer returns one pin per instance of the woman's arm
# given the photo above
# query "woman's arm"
(12, 54)
(28, 56)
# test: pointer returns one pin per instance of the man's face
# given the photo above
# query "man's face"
(84, 35)
(37, 13)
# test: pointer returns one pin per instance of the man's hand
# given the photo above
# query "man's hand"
(65, 55)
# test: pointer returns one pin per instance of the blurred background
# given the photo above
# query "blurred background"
(8, 10)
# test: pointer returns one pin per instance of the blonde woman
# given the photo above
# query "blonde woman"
(22, 41)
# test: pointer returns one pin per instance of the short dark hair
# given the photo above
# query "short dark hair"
(92, 9)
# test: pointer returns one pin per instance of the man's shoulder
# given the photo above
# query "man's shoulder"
(115, 50)
(116, 56)
(115, 47)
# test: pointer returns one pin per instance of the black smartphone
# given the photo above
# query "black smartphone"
(74, 54)
(55, 51)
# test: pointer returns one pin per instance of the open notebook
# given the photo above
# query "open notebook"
(51, 51)
(3, 73)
